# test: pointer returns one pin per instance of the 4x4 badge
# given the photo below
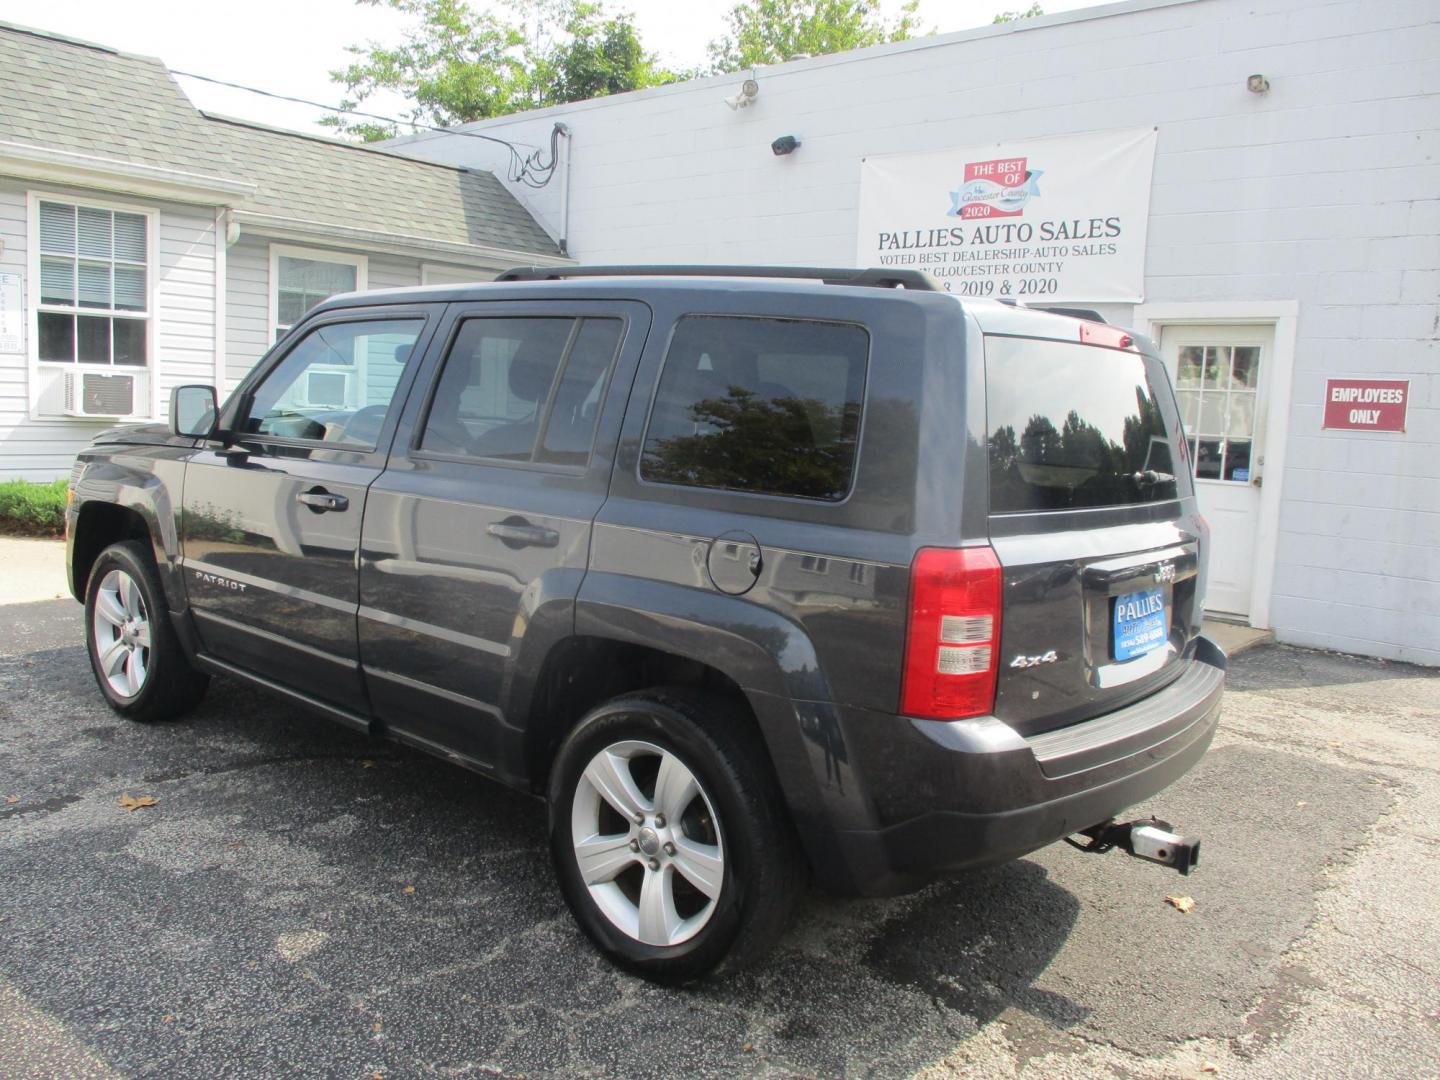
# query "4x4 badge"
(1035, 661)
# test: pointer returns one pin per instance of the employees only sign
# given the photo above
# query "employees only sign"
(1366, 404)
(1048, 220)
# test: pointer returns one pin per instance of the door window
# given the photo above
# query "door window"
(336, 385)
(1217, 386)
(762, 405)
(522, 389)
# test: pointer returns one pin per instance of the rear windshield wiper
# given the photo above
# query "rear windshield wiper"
(1150, 476)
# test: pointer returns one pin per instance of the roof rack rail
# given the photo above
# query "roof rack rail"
(874, 277)
(1087, 314)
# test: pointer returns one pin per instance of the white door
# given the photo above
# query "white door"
(1221, 375)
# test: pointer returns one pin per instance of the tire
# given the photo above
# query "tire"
(134, 652)
(647, 895)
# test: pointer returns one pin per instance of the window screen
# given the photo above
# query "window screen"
(508, 380)
(762, 405)
(1074, 426)
(94, 287)
(300, 284)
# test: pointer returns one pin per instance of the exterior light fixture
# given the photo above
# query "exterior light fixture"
(745, 96)
(785, 144)
(1257, 84)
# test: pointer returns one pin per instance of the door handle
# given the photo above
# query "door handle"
(320, 500)
(517, 534)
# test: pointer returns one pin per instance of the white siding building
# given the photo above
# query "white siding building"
(144, 245)
(1299, 219)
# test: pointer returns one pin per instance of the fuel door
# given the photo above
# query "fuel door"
(734, 562)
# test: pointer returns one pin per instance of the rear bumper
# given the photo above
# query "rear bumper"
(890, 802)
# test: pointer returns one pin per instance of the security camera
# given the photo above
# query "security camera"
(785, 144)
(747, 93)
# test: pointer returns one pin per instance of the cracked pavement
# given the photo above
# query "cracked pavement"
(304, 902)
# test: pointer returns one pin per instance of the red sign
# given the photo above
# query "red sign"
(995, 188)
(1366, 404)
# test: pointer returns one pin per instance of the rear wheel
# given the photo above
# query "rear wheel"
(134, 652)
(669, 835)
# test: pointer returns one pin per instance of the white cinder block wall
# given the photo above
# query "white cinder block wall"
(1325, 191)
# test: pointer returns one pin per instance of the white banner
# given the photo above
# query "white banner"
(1043, 221)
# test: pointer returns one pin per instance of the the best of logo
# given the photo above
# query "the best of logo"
(997, 188)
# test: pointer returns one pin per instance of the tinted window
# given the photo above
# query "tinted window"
(336, 385)
(1075, 426)
(570, 429)
(762, 405)
(497, 383)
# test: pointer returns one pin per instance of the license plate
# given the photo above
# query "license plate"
(1141, 623)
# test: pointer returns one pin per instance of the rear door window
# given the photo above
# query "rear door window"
(522, 389)
(770, 406)
(1076, 426)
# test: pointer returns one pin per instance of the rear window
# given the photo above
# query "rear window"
(761, 405)
(1074, 426)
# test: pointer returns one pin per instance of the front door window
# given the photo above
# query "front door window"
(335, 385)
(1217, 386)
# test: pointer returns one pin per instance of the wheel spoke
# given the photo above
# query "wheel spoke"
(658, 917)
(109, 608)
(134, 673)
(130, 596)
(603, 858)
(675, 788)
(609, 774)
(701, 864)
(113, 657)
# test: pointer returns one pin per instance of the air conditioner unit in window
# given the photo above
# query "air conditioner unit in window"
(327, 389)
(89, 393)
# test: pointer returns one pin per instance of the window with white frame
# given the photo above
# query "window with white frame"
(94, 303)
(301, 279)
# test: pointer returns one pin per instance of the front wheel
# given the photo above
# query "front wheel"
(134, 652)
(670, 837)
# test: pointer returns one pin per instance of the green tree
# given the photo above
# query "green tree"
(1012, 16)
(458, 64)
(773, 31)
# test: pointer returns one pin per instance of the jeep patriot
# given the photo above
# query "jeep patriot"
(755, 575)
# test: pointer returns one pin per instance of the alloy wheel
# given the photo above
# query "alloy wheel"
(120, 627)
(647, 843)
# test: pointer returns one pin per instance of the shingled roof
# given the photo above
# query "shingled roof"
(314, 179)
(56, 92)
(89, 99)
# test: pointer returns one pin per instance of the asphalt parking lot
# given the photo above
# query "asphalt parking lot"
(300, 901)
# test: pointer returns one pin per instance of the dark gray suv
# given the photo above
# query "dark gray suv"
(755, 575)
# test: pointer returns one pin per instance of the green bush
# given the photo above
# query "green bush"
(30, 509)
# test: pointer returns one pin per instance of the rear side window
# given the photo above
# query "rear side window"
(1074, 426)
(770, 406)
(522, 389)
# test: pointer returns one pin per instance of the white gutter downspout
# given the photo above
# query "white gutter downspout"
(564, 241)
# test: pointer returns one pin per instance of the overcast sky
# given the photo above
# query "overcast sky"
(290, 46)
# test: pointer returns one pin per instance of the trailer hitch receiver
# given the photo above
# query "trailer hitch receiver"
(1150, 839)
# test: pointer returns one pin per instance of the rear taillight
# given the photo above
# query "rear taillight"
(953, 648)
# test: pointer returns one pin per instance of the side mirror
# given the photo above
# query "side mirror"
(193, 411)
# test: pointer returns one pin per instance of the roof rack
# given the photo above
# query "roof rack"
(874, 277)
(1088, 314)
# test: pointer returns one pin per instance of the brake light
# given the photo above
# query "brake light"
(952, 651)
(1112, 337)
